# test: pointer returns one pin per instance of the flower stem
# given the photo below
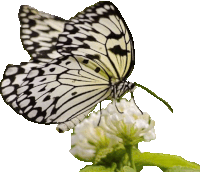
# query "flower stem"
(129, 150)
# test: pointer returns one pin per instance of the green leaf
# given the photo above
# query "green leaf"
(106, 156)
(161, 160)
(98, 168)
(128, 169)
(102, 154)
(182, 169)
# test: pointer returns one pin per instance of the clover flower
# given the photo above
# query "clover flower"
(121, 123)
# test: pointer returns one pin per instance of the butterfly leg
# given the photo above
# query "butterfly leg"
(100, 115)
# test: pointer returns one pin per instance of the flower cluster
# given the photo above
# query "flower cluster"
(120, 123)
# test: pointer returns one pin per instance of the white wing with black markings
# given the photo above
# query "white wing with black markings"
(100, 34)
(60, 91)
(39, 32)
(76, 64)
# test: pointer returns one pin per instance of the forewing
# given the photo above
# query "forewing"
(39, 32)
(100, 34)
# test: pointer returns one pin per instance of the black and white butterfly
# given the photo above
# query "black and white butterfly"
(75, 64)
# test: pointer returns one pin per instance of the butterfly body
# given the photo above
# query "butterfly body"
(75, 64)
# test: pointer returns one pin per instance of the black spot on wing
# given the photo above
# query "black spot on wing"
(46, 98)
(67, 63)
(118, 50)
(93, 57)
(85, 61)
(97, 70)
(43, 89)
(52, 69)
(74, 93)
(43, 80)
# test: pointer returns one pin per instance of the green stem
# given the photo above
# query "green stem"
(153, 94)
(130, 152)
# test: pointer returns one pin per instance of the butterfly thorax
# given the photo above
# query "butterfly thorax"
(120, 88)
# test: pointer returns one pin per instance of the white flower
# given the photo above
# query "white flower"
(89, 138)
(131, 126)
(121, 123)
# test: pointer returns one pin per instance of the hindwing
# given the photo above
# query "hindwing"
(58, 91)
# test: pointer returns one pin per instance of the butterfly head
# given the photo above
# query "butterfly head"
(131, 86)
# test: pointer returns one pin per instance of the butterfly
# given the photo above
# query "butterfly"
(75, 64)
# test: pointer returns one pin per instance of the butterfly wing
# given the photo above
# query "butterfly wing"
(13, 77)
(60, 91)
(39, 32)
(98, 50)
(100, 34)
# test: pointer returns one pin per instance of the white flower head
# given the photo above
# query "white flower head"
(121, 123)
(126, 121)
(89, 138)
